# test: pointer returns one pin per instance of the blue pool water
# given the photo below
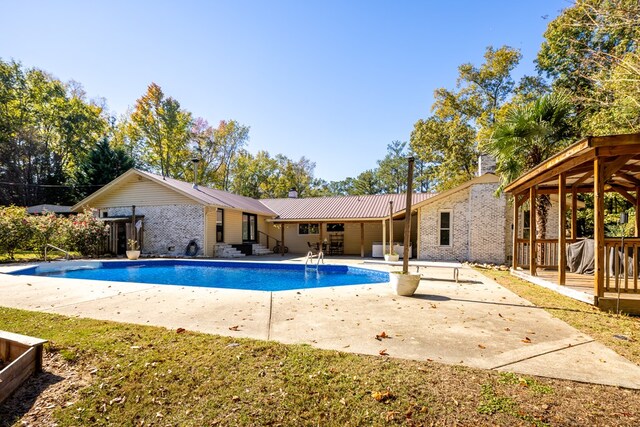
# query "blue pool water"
(212, 274)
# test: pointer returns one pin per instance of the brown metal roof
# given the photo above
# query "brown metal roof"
(210, 196)
(341, 207)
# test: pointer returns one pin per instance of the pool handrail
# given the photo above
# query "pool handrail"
(55, 247)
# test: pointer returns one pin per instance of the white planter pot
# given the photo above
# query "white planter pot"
(133, 254)
(404, 284)
(392, 258)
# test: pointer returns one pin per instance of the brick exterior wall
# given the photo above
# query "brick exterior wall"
(488, 215)
(478, 231)
(168, 226)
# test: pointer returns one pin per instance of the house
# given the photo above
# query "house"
(165, 215)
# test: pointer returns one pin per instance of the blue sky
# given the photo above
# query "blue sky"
(335, 81)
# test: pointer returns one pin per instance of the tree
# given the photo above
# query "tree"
(392, 170)
(46, 130)
(160, 131)
(449, 141)
(591, 52)
(102, 165)
(529, 135)
(217, 148)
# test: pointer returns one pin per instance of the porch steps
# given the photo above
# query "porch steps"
(223, 250)
(259, 249)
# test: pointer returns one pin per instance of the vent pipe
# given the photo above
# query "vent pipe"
(293, 193)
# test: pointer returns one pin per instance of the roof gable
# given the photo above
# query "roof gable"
(202, 195)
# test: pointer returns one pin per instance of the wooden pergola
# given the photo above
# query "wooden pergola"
(592, 165)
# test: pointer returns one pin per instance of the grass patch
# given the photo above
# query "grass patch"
(33, 256)
(140, 375)
(602, 326)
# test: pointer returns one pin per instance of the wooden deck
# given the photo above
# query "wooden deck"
(580, 287)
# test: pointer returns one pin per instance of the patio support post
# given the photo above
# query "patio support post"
(384, 236)
(574, 212)
(533, 250)
(562, 229)
(362, 239)
(598, 224)
(516, 226)
(637, 228)
(282, 225)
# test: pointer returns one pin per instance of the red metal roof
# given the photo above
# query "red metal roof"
(341, 207)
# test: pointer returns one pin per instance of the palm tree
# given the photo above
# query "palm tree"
(528, 135)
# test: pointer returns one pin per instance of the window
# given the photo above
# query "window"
(311, 228)
(333, 227)
(105, 214)
(445, 228)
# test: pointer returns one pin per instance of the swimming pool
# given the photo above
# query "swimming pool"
(257, 276)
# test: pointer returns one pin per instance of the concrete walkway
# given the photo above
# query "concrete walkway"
(475, 322)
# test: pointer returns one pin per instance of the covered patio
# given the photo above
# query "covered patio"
(592, 165)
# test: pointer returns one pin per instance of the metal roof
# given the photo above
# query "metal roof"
(58, 209)
(341, 207)
(210, 196)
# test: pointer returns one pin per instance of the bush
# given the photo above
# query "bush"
(15, 229)
(47, 229)
(85, 233)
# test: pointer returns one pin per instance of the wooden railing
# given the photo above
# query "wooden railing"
(615, 273)
(547, 251)
(620, 270)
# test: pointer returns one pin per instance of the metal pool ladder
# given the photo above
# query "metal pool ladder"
(308, 262)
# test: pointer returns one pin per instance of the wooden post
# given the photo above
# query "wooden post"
(390, 227)
(282, 225)
(598, 225)
(384, 236)
(516, 226)
(362, 239)
(562, 229)
(407, 218)
(637, 228)
(533, 250)
(574, 214)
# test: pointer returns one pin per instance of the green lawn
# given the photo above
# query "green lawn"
(138, 375)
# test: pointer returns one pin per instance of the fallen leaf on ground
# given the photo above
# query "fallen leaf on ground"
(181, 330)
(234, 328)
(383, 352)
(381, 335)
(382, 396)
(481, 346)
(526, 340)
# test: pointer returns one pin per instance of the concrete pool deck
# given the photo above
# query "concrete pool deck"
(475, 322)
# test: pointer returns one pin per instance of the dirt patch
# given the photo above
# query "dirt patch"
(56, 386)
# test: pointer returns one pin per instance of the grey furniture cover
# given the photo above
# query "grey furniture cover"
(580, 257)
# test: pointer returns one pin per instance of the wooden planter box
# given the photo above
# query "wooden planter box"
(21, 356)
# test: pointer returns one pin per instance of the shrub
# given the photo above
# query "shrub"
(85, 233)
(15, 229)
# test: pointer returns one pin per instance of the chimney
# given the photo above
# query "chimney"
(195, 162)
(293, 193)
(486, 164)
